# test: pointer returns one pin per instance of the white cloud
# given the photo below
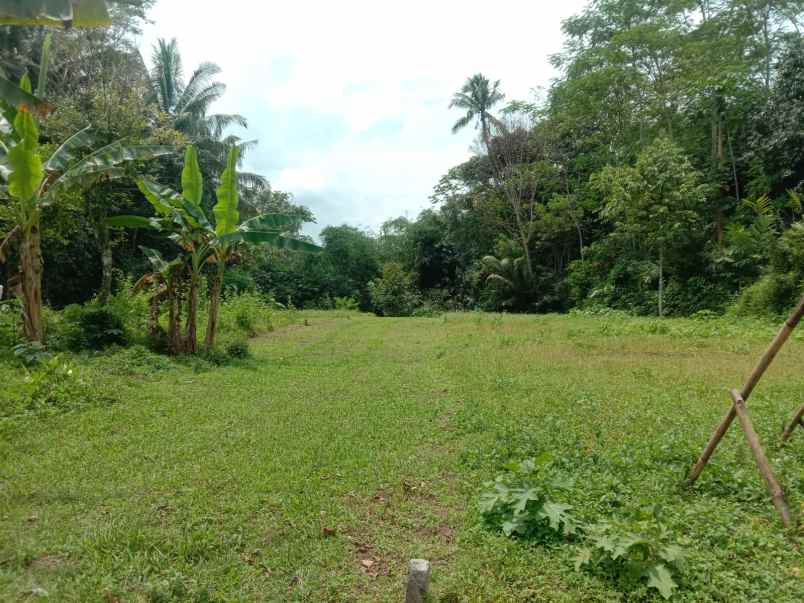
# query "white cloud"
(349, 99)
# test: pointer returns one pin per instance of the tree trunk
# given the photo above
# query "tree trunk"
(31, 268)
(154, 309)
(174, 315)
(214, 306)
(661, 281)
(107, 261)
(191, 328)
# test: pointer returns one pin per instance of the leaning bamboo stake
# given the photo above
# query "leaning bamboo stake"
(766, 360)
(797, 420)
(776, 492)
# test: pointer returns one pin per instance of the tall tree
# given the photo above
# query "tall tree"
(477, 97)
(189, 102)
(657, 202)
(35, 183)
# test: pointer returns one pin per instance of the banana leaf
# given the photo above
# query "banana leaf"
(132, 222)
(260, 237)
(14, 97)
(63, 13)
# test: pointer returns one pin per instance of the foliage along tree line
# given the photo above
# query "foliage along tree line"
(69, 160)
(661, 173)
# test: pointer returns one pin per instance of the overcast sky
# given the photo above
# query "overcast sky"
(349, 100)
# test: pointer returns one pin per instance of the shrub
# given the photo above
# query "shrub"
(783, 283)
(426, 311)
(631, 553)
(31, 353)
(10, 323)
(130, 307)
(394, 293)
(136, 360)
(248, 313)
(771, 295)
(216, 356)
(238, 281)
(100, 328)
(348, 304)
(52, 387)
(238, 349)
(522, 502)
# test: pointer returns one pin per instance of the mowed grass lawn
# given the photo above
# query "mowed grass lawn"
(345, 447)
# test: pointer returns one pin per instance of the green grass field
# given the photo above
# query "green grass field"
(345, 447)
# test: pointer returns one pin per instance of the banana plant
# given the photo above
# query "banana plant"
(34, 183)
(63, 13)
(183, 219)
(265, 229)
(162, 281)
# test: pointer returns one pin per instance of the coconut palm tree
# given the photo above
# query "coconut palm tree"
(189, 103)
(477, 97)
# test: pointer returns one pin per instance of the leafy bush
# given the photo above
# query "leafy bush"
(101, 328)
(783, 284)
(136, 360)
(249, 313)
(771, 295)
(10, 324)
(216, 356)
(238, 281)
(427, 311)
(130, 307)
(522, 501)
(238, 349)
(89, 327)
(52, 387)
(631, 553)
(394, 293)
(31, 353)
(348, 304)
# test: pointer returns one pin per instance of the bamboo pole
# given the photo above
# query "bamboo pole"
(776, 492)
(797, 420)
(766, 360)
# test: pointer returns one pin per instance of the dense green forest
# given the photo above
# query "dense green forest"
(661, 173)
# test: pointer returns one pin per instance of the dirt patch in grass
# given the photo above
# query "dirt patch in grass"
(48, 563)
(412, 519)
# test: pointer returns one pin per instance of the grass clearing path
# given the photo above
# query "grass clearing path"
(313, 471)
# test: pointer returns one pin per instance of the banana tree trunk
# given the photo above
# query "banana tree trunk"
(154, 309)
(191, 328)
(174, 315)
(214, 306)
(107, 262)
(31, 267)
(661, 281)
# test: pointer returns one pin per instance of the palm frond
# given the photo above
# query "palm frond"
(463, 122)
(218, 123)
(166, 73)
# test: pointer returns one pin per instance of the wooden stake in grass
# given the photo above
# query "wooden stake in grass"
(756, 375)
(797, 420)
(776, 492)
